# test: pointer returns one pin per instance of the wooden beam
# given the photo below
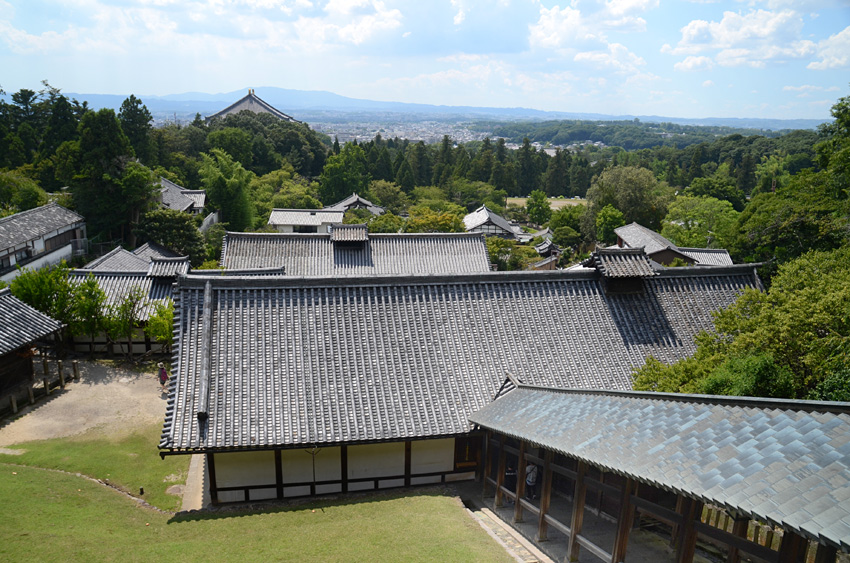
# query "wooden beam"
(577, 517)
(793, 547)
(407, 457)
(545, 496)
(500, 474)
(343, 467)
(825, 554)
(687, 539)
(213, 485)
(488, 462)
(680, 510)
(278, 473)
(520, 483)
(624, 522)
(739, 528)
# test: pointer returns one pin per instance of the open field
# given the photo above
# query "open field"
(554, 203)
(59, 517)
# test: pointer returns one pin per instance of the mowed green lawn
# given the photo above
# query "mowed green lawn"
(51, 516)
(54, 516)
(554, 203)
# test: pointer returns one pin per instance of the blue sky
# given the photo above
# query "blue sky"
(684, 58)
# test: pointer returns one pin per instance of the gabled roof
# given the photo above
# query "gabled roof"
(621, 263)
(175, 197)
(22, 324)
(484, 215)
(151, 250)
(786, 462)
(252, 102)
(35, 223)
(354, 201)
(168, 267)
(315, 254)
(636, 236)
(119, 260)
(305, 217)
(349, 233)
(282, 362)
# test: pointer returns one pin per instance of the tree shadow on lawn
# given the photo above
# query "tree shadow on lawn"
(241, 510)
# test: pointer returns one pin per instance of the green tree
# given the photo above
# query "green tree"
(387, 223)
(89, 309)
(175, 230)
(344, 174)
(124, 318)
(160, 325)
(389, 195)
(235, 142)
(20, 192)
(50, 291)
(226, 183)
(136, 123)
(423, 219)
(701, 222)
(608, 219)
(538, 207)
(634, 191)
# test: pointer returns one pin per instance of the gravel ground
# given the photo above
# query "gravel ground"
(106, 398)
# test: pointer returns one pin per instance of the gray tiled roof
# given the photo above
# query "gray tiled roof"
(252, 102)
(304, 217)
(621, 263)
(21, 324)
(119, 260)
(482, 216)
(382, 254)
(35, 223)
(117, 285)
(356, 202)
(326, 360)
(349, 233)
(787, 462)
(173, 196)
(168, 267)
(708, 256)
(151, 250)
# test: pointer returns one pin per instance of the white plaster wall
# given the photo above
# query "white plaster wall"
(429, 456)
(63, 253)
(244, 469)
(298, 465)
(375, 460)
(285, 229)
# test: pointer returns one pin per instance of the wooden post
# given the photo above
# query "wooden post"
(488, 463)
(76, 367)
(520, 483)
(545, 494)
(500, 475)
(687, 534)
(674, 532)
(61, 375)
(739, 528)
(14, 403)
(213, 485)
(577, 517)
(46, 387)
(407, 456)
(31, 395)
(624, 523)
(343, 467)
(768, 537)
(278, 474)
(793, 547)
(825, 554)
(43, 367)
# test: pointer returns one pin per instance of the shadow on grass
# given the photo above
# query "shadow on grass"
(261, 508)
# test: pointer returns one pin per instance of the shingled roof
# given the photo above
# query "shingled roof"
(305, 217)
(316, 254)
(119, 260)
(484, 215)
(22, 324)
(117, 285)
(355, 201)
(35, 223)
(179, 198)
(621, 263)
(780, 461)
(635, 235)
(278, 362)
(252, 102)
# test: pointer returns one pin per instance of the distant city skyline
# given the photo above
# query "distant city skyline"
(687, 58)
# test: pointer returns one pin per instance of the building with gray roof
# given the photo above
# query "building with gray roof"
(252, 102)
(664, 252)
(21, 327)
(355, 201)
(305, 220)
(484, 220)
(356, 252)
(178, 198)
(778, 461)
(39, 237)
(383, 373)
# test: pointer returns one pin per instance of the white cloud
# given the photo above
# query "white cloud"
(749, 39)
(708, 84)
(833, 52)
(559, 28)
(694, 63)
(617, 57)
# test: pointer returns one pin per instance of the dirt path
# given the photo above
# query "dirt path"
(105, 398)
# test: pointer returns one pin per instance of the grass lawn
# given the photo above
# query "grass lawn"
(127, 460)
(554, 203)
(57, 517)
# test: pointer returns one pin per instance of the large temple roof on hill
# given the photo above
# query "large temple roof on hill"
(252, 102)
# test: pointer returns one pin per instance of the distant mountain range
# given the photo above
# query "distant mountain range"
(320, 106)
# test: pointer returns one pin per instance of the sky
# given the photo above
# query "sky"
(683, 58)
